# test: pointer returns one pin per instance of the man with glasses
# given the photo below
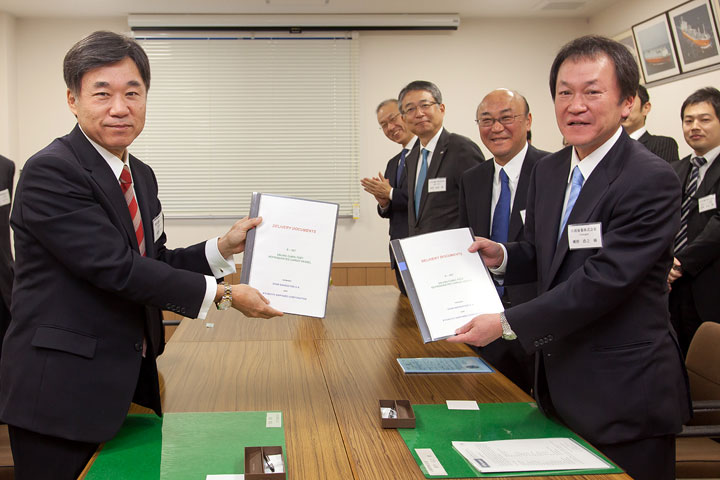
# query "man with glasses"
(434, 169)
(390, 190)
(492, 203)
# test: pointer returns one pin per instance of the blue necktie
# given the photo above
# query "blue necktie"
(401, 167)
(501, 216)
(576, 186)
(421, 181)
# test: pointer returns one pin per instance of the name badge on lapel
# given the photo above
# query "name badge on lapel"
(4, 197)
(706, 203)
(436, 185)
(158, 226)
(585, 235)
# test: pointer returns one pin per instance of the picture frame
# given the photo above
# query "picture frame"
(696, 35)
(626, 38)
(656, 48)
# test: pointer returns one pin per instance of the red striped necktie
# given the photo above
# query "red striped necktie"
(129, 192)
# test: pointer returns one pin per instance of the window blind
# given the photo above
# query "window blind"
(230, 115)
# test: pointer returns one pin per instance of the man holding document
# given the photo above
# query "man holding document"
(601, 218)
(93, 272)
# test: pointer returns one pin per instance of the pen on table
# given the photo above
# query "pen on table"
(267, 461)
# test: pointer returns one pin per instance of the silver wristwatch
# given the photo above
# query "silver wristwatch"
(226, 300)
(508, 333)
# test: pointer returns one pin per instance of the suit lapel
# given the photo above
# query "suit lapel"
(593, 191)
(142, 188)
(710, 180)
(103, 176)
(644, 138)
(516, 221)
(411, 165)
(437, 157)
(483, 194)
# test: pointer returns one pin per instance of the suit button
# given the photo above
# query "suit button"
(138, 346)
(550, 337)
(537, 344)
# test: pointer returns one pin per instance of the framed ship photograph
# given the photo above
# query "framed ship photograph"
(626, 38)
(695, 32)
(656, 49)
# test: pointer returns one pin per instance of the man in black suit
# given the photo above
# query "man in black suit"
(664, 147)
(695, 275)
(492, 203)
(601, 218)
(92, 272)
(390, 190)
(435, 167)
(7, 174)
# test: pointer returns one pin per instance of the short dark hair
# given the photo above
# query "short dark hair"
(594, 46)
(420, 85)
(385, 102)
(710, 95)
(643, 95)
(99, 49)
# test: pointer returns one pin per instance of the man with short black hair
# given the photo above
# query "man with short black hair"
(92, 272)
(390, 190)
(600, 222)
(695, 275)
(434, 169)
(664, 147)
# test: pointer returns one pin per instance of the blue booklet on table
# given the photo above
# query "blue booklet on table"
(444, 365)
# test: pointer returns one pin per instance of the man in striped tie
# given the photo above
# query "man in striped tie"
(390, 190)
(695, 274)
(92, 272)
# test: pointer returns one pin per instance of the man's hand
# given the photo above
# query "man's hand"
(252, 303)
(479, 331)
(675, 272)
(378, 187)
(234, 240)
(491, 252)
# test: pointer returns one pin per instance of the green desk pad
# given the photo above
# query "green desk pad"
(436, 427)
(183, 446)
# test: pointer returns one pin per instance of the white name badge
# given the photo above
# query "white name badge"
(4, 197)
(585, 235)
(158, 227)
(705, 203)
(522, 215)
(436, 185)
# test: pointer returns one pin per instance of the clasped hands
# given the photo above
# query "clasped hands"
(379, 187)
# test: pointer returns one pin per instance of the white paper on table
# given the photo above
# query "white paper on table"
(232, 476)
(452, 284)
(292, 253)
(529, 455)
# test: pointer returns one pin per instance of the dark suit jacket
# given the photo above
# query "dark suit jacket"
(700, 258)
(600, 327)
(453, 155)
(397, 212)
(84, 298)
(664, 147)
(7, 174)
(475, 203)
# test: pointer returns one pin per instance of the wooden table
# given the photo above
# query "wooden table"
(326, 376)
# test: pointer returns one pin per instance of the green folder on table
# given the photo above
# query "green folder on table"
(183, 446)
(436, 427)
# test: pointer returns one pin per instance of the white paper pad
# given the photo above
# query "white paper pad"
(462, 405)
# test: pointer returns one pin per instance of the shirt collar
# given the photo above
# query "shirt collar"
(638, 133)
(513, 167)
(433, 141)
(709, 156)
(115, 164)
(411, 143)
(588, 164)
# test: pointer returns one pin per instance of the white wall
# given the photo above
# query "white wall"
(8, 108)
(666, 99)
(466, 64)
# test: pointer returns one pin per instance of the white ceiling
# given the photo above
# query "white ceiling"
(464, 8)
